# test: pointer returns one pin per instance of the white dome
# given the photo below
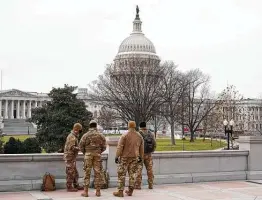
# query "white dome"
(137, 43)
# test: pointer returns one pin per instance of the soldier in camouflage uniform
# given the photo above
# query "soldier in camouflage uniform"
(92, 144)
(148, 161)
(130, 151)
(71, 150)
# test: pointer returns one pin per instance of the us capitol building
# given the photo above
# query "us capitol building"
(17, 105)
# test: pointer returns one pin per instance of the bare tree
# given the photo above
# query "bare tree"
(212, 123)
(133, 88)
(197, 100)
(107, 118)
(158, 122)
(233, 108)
(173, 90)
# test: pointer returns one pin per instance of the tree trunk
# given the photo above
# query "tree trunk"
(172, 134)
(192, 136)
(204, 135)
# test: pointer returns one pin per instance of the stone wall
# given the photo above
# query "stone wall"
(24, 172)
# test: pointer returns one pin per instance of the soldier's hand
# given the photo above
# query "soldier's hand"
(116, 160)
(77, 149)
(139, 159)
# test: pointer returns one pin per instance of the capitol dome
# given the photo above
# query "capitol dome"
(137, 44)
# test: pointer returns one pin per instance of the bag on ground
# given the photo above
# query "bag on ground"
(48, 182)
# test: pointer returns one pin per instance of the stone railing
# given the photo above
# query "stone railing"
(25, 172)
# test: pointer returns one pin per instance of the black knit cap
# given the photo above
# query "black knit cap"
(142, 125)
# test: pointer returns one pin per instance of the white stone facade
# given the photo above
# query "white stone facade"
(90, 106)
(16, 104)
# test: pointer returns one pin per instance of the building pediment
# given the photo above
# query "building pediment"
(16, 93)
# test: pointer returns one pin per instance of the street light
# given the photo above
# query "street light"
(228, 130)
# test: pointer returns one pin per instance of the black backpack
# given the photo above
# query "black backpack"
(148, 142)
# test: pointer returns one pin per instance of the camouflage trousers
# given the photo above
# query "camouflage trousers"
(103, 178)
(127, 165)
(94, 162)
(71, 173)
(148, 161)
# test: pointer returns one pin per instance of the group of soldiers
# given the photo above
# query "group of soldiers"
(134, 149)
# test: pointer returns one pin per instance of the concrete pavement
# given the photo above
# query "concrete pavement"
(236, 190)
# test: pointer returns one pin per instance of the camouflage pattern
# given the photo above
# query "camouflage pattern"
(71, 147)
(94, 162)
(92, 144)
(127, 165)
(70, 153)
(148, 161)
(72, 175)
(104, 178)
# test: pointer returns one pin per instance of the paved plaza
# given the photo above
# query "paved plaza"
(239, 190)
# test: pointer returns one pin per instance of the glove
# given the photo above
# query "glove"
(77, 149)
(139, 159)
(116, 160)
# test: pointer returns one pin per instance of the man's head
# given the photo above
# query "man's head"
(142, 125)
(77, 128)
(93, 124)
(132, 124)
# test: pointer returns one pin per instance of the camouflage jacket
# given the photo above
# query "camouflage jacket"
(71, 147)
(93, 142)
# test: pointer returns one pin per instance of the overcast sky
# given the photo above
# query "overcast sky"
(47, 43)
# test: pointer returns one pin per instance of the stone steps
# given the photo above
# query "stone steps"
(17, 127)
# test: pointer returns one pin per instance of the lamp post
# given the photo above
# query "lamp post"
(228, 130)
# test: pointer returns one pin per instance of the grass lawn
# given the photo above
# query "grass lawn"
(164, 144)
(20, 137)
(198, 144)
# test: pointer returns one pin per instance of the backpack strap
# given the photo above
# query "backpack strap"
(142, 134)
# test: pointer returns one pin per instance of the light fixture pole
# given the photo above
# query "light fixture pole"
(228, 130)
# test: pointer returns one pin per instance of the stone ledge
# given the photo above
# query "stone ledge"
(29, 185)
(195, 154)
(190, 178)
(250, 139)
(254, 175)
(40, 157)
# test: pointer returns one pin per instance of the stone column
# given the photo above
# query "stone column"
(40, 104)
(24, 117)
(12, 109)
(6, 109)
(18, 110)
(29, 109)
(111, 146)
(1, 108)
(35, 104)
(253, 144)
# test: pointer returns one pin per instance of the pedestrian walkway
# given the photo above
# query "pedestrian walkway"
(237, 190)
